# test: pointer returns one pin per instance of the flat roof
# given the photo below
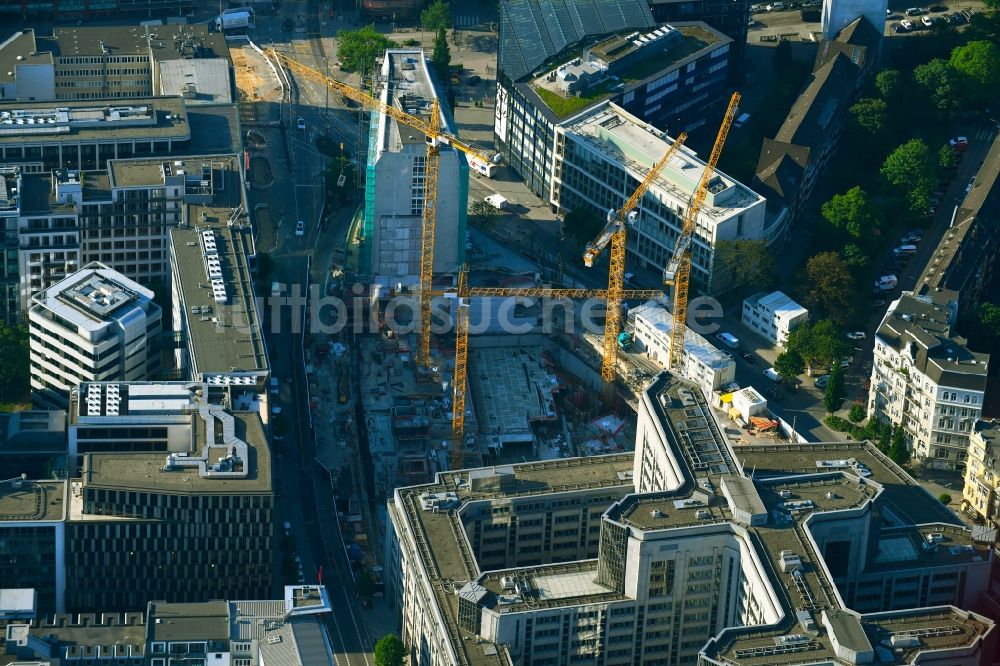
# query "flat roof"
(189, 621)
(114, 119)
(512, 388)
(200, 81)
(779, 303)
(19, 49)
(144, 471)
(32, 501)
(408, 86)
(90, 297)
(224, 338)
(81, 634)
(163, 42)
(624, 139)
(697, 39)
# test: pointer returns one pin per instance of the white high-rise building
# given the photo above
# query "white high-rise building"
(94, 325)
(926, 380)
(675, 556)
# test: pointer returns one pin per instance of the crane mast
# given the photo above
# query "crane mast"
(678, 270)
(614, 233)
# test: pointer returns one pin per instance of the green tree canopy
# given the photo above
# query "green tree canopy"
(870, 113)
(14, 375)
(854, 257)
(910, 168)
(819, 343)
(441, 56)
(789, 365)
(940, 84)
(483, 214)
(751, 264)
(852, 212)
(830, 285)
(978, 64)
(898, 449)
(833, 396)
(889, 84)
(358, 49)
(982, 326)
(947, 158)
(437, 16)
(389, 651)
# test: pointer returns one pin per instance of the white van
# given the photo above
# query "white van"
(904, 250)
(772, 374)
(729, 340)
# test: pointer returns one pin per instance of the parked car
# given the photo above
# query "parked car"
(907, 26)
(773, 393)
(900, 28)
(749, 358)
(856, 335)
(772, 374)
(938, 8)
(301, 123)
(822, 381)
(474, 79)
(846, 362)
(300, 228)
(910, 239)
(927, 21)
(916, 11)
(959, 143)
(959, 19)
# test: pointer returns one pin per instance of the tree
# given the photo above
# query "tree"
(982, 325)
(789, 365)
(833, 396)
(14, 375)
(358, 49)
(854, 257)
(890, 84)
(940, 85)
(483, 214)
(852, 213)
(751, 264)
(857, 413)
(947, 158)
(944, 498)
(436, 17)
(819, 343)
(582, 224)
(830, 287)
(441, 56)
(885, 435)
(899, 452)
(910, 167)
(978, 65)
(389, 651)
(870, 114)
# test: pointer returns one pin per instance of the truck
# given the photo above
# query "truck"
(497, 201)
(232, 19)
(276, 289)
(886, 283)
(625, 341)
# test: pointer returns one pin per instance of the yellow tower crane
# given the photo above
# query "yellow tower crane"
(614, 233)
(678, 270)
(435, 139)
(463, 293)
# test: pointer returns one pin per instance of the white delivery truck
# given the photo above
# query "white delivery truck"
(497, 201)
(233, 19)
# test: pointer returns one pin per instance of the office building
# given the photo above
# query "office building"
(100, 62)
(555, 65)
(211, 251)
(394, 191)
(703, 364)
(773, 316)
(981, 492)
(94, 325)
(10, 210)
(604, 154)
(171, 525)
(791, 163)
(674, 556)
(33, 537)
(838, 14)
(287, 631)
(964, 264)
(33, 443)
(926, 381)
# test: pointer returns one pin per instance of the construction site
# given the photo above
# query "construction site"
(408, 404)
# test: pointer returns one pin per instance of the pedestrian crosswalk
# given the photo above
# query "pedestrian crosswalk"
(986, 135)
